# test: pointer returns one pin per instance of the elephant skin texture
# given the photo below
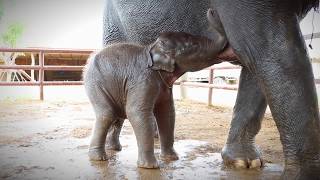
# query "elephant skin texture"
(135, 82)
(267, 39)
(266, 36)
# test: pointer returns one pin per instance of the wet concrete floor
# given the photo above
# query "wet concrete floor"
(54, 145)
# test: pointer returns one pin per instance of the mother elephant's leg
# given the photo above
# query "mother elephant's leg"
(268, 40)
(240, 150)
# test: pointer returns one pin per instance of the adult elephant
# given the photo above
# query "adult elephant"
(267, 38)
(141, 21)
(277, 70)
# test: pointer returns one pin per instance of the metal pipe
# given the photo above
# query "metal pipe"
(63, 68)
(47, 68)
(19, 83)
(222, 68)
(62, 83)
(47, 50)
(206, 85)
(45, 83)
(17, 67)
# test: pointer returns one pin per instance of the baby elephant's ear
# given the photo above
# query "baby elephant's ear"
(159, 60)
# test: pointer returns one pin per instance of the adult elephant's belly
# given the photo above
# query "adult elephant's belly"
(143, 20)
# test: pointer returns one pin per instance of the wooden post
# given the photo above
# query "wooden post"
(32, 64)
(41, 73)
(210, 88)
(183, 89)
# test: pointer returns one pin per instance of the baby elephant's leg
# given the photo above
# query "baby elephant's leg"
(165, 115)
(139, 111)
(143, 129)
(113, 142)
(103, 121)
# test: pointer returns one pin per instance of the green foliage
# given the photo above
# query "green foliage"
(12, 34)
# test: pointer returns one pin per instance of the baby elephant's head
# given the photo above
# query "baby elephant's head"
(165, 51)
(182, 50)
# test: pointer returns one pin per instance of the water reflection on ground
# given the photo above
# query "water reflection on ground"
(63, 158)
(50, 141)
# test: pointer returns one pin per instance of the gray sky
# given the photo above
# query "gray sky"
(78, 23)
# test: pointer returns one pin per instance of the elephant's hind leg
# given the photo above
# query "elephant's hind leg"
(240, 150)
(104, 119)
(275, 52)
(113, 142)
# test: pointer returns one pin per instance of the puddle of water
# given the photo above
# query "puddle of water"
(67, 159)
(46, 149)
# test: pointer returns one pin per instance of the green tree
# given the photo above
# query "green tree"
(12, 34)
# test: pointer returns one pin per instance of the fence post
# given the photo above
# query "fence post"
(210, 88)
(183, 89)
(41, 73)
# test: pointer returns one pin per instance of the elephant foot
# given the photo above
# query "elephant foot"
(309, 170)
(169, 155)
(97, 154)
(148, 162)
(241, 156)
(113, 144)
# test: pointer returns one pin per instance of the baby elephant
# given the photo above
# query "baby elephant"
(135, 82)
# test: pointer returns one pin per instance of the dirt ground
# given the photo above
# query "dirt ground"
(49, 140)
(211, 124)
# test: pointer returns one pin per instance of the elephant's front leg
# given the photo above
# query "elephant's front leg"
(113, 137)
(139, 110)
(165, 116)
(240, 150)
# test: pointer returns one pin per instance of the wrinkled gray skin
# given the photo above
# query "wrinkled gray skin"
(142, 21)
(123, 22)
(267, 38)
(132, 81)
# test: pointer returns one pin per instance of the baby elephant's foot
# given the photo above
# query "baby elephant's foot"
(113, 145)
(97, 154)
(148, 162)
(112, 142)
(169, 155)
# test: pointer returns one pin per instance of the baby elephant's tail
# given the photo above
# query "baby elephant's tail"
(89, 65)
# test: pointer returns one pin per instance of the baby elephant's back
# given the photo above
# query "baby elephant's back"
(119, 58)
(111, 71)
